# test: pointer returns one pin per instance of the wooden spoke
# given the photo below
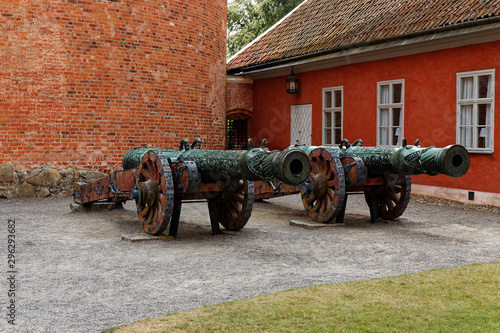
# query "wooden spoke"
(314, 167)
(310, 199)
(329, 186)
(146, 173)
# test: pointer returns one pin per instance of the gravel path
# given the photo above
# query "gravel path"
(76, 274)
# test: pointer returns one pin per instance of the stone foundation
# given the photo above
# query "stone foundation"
(43, 181)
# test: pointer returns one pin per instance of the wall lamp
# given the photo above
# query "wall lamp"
(292, 84)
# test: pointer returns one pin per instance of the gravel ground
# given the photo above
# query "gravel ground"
(76, 274)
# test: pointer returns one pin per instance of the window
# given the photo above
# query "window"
(475, 110)
(237, 134)
(390, 115)
(332, 115)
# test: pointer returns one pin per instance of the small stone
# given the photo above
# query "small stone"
(69, 175)
(44, 176)
(141, 237)
(65, 193)
(6, 174)
(23, 190)
(21, 176)
(89, 176)
(42, 192)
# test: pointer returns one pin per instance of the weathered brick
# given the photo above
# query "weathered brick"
(74, 73)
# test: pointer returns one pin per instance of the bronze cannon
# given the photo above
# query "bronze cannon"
(382, 174)
(159, 180)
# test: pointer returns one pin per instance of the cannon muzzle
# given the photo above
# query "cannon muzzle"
(452, 160)
(290, 166)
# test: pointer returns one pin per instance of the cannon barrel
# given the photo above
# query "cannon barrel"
(290, 166)
(452, 160)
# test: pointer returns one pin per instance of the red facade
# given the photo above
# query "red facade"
(430, 105)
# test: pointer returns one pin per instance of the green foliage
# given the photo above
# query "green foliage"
(247, 19)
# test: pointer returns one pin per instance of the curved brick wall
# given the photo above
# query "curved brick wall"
(81, 82)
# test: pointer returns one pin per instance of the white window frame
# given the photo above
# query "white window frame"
(332, 109)
(475, 101)
(391, 106)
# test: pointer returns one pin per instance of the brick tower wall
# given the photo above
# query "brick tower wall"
(81, 82)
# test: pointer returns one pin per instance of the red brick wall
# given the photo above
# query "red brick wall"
(429, 108)
(81, 82)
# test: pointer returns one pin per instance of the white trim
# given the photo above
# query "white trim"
(333, 109)
(474, 102)
(266, 32)
(392, 49)
(390, 106)
(460, 195)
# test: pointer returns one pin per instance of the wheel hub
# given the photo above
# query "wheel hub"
(148, 192)
(320, 182)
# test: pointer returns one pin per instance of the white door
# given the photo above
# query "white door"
(301, 124)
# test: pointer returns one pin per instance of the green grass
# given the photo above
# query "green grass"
(463, 299)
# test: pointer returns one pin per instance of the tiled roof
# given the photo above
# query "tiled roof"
(319, 26)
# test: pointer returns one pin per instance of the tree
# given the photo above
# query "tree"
(247, 19)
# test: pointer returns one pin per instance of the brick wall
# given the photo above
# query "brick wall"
(239, 96)
(81, 82)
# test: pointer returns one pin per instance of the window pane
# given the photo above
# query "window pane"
(338, 135)
(338, 119)
(328, 136)
(328, 99)
(483, 114)
(338, 99)
(384, 117)
(466, 115)
(466, 137)
(384, 94)
(384, 136)
(484, 86)
(481, 140)
(395, 136)
(328, 119)
(396, 92)
(466, 88)
(396, 117)
(484, 137)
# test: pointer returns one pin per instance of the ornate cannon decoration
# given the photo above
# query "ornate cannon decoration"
(159, 180)
(383, 174)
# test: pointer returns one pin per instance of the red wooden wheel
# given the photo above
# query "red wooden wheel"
(155, 192)
(394, 196)
(327, 176)
(234, 208)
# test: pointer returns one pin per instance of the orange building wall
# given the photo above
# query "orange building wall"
(429, 108)
(81, 82)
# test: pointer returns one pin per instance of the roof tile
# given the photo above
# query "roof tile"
(323, 25)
